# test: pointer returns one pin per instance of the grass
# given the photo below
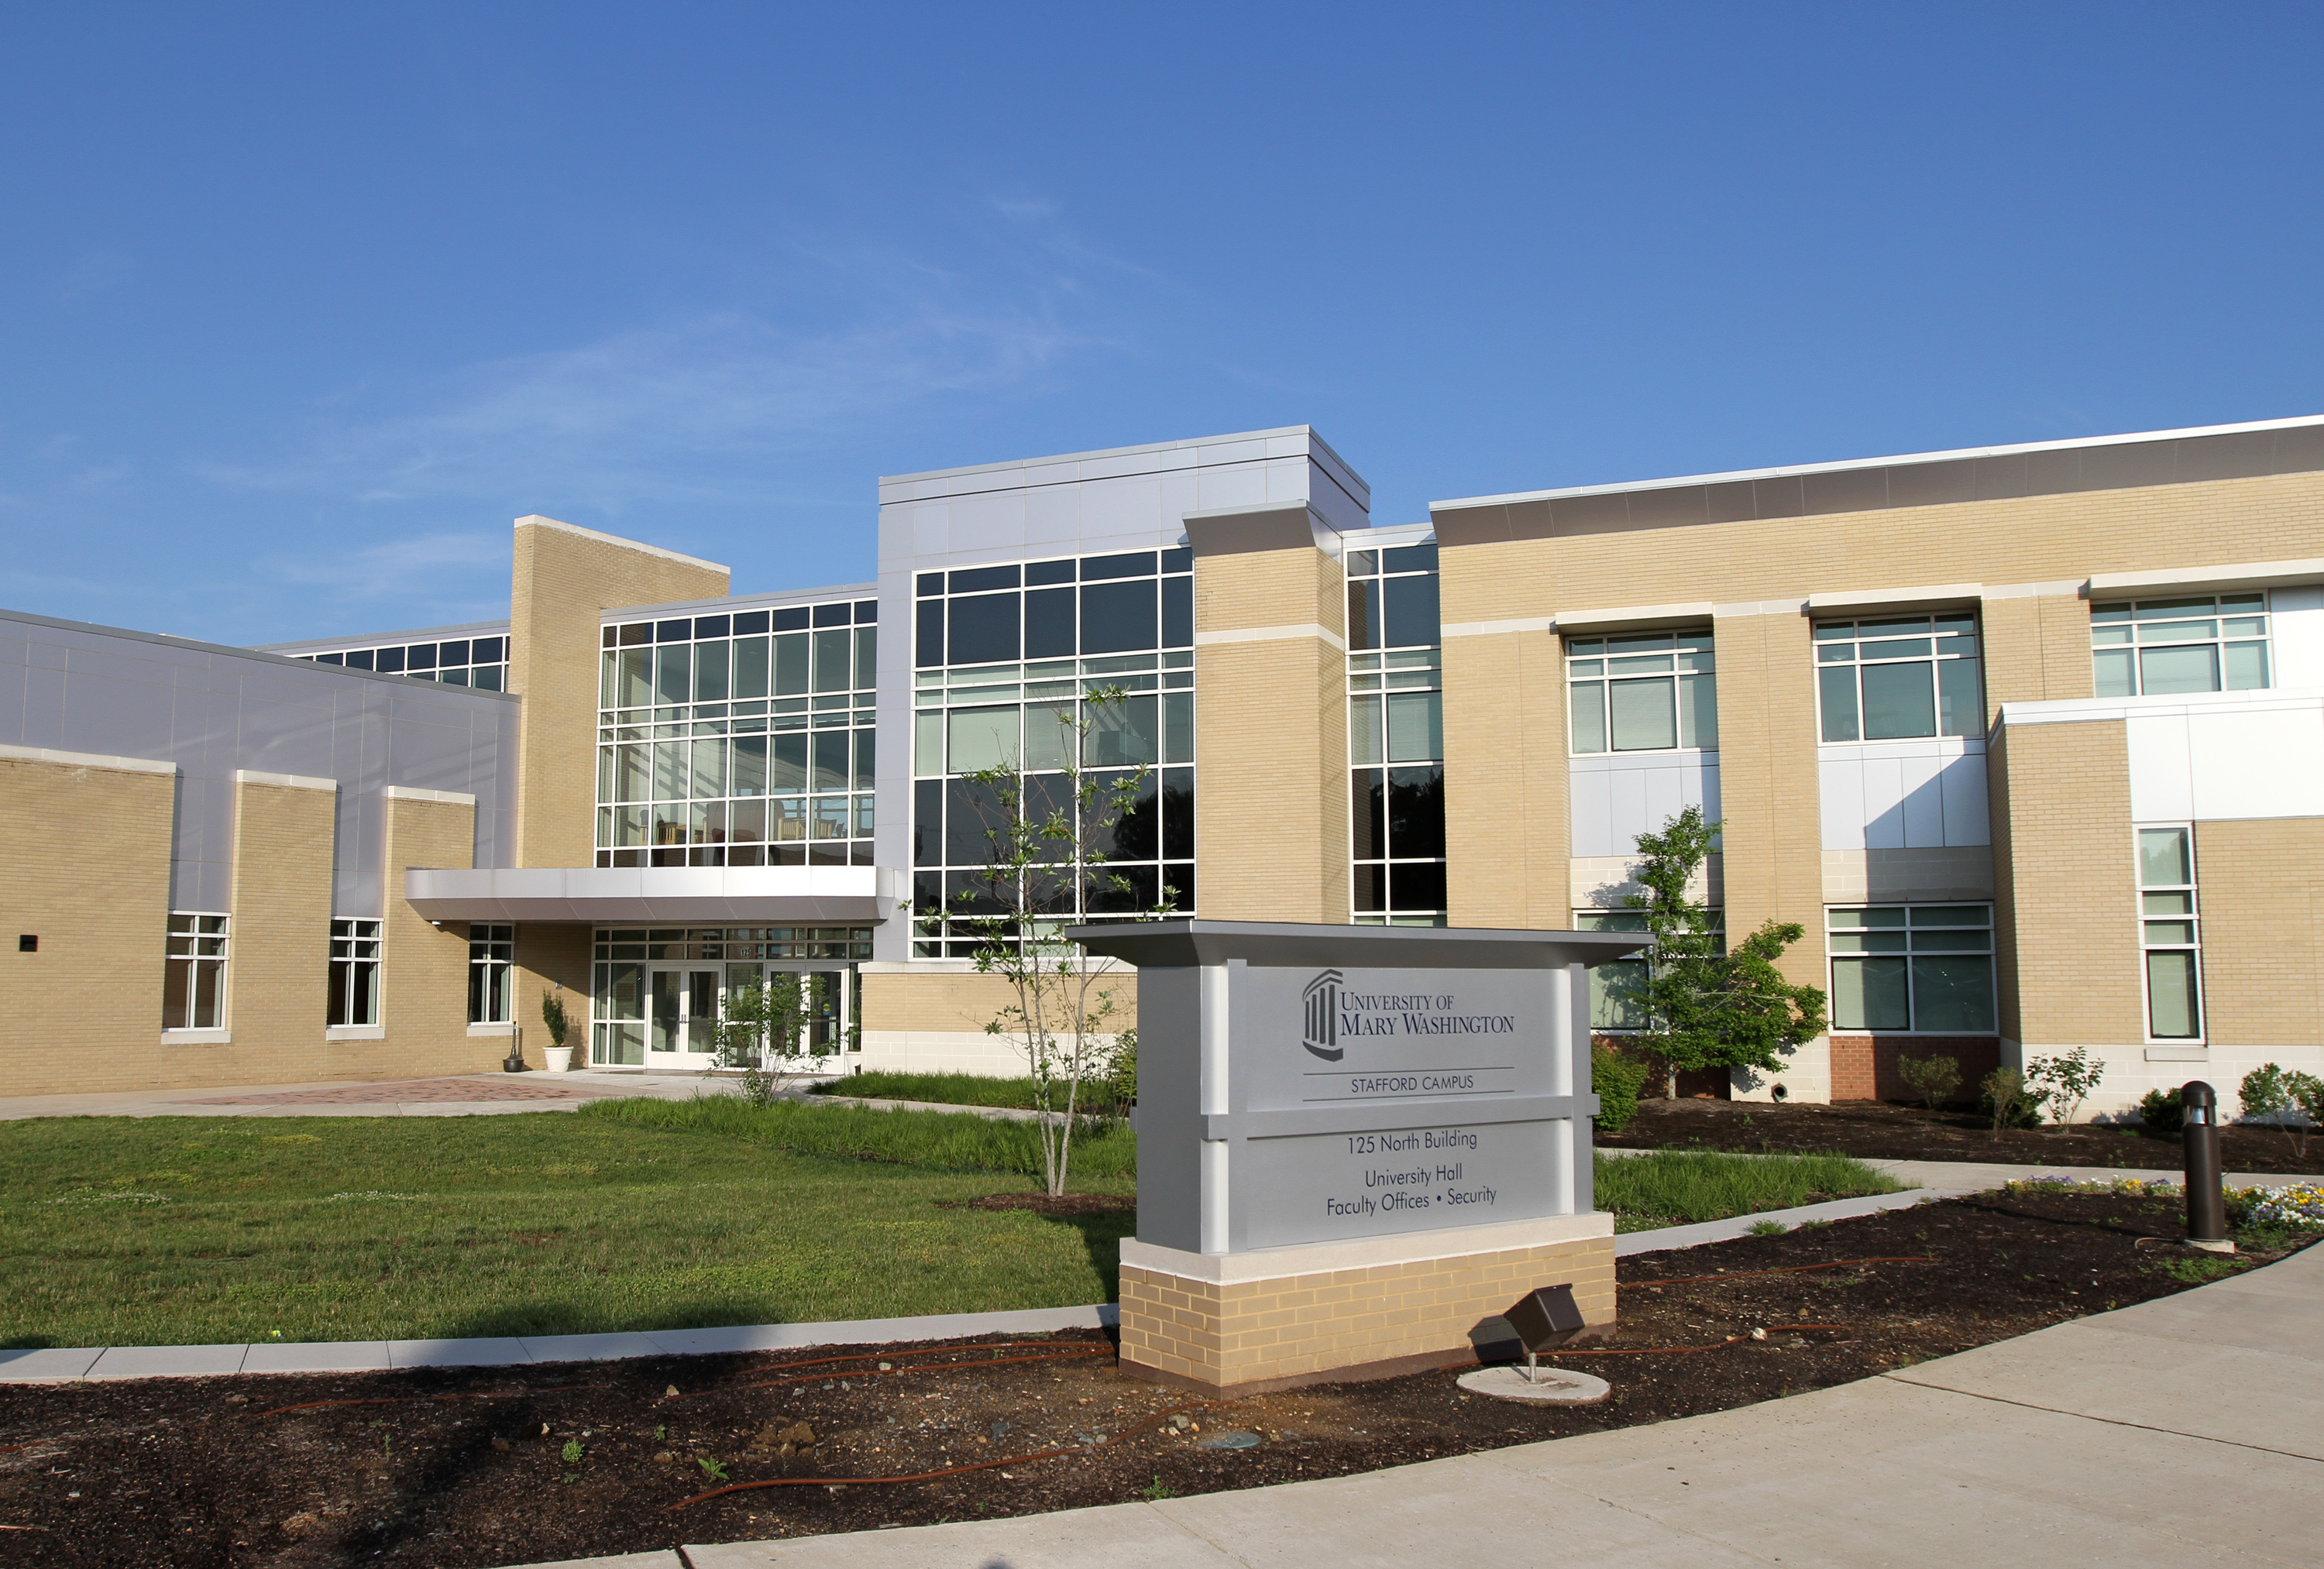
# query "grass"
(628, 1214)
(951, 1140)
(184, 1230)
(1680, 1187)
(941, 1088)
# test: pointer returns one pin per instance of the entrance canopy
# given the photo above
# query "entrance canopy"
(665, 895)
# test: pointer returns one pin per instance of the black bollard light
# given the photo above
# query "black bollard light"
(2207, 1204)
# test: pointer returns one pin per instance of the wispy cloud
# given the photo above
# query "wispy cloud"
(398, 568)
(702, 409)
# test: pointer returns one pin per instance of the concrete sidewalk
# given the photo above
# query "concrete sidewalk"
(2185, 1430)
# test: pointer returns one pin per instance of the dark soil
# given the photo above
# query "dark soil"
(1882, 1131)
(1066, 1205)
(471, 1467)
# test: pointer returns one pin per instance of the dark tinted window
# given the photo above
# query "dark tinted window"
(927, 646)
(977, 578)
(867, 612)
(485, 651)
(1041, 572)
(928, 583)
(1410, 558)
(419, 657)
(674, 631)
(791, 619)
(1050, 624)
(637, 632)
(391, 661)
(1138, 564)
(451, 652)
(1181, 560)
(1116, 616)
(749, 621)
(983, 630)
(710, 626)
(833, 615)
(1411, 617)
(1415, 813)
(1177, 612)
(927, 822)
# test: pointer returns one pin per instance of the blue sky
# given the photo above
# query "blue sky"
(300, 305)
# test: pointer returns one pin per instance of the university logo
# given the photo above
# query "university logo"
(1322, 1000)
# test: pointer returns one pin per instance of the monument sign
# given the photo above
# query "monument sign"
(1355, 1143)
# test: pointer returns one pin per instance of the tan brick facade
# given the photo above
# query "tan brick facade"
(2261, 893)
(564, 576)
(1246, 1336)
(1271, 834)
(279, 966)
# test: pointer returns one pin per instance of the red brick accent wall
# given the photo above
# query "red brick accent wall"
(1863, 1066)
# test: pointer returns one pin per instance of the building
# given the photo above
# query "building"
(2028, 739)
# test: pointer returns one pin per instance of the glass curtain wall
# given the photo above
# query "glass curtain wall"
(1006, 658)
(632, 967)
(1396, 738)
(744, 740)
(480, 662)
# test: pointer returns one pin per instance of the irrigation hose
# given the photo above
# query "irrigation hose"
(948, 1471)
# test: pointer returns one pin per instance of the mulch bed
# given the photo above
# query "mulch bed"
(1066, 1205)
(469, 1469)
(1875, 1130)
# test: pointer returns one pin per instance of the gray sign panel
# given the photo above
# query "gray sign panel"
(1303, 1084)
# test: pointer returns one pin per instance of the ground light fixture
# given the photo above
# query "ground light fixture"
(2207, 1206)
(1543, 1320)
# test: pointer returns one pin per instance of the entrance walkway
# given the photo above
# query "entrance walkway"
(463, 1095)
(2185, 1430)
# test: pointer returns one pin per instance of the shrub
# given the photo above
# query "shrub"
(2162, 1113)
(1616, 1080)
(2065, 1081)
(1933, 1079)
(2010, 1102)
(2294, 1099)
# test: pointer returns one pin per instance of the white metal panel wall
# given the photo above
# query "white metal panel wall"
(1904, 794)
(1617, 796)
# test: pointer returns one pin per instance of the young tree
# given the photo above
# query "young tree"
(1706, 1009)
(1043, 831)
(763, 1030)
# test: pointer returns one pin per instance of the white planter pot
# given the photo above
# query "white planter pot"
(558, 1058)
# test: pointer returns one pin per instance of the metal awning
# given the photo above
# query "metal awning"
(667, 895)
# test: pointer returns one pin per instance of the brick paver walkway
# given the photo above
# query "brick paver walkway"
(403, 1091)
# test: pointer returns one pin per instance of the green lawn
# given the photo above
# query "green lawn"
(940, 1088)
(631, 1214)
(177, 1230)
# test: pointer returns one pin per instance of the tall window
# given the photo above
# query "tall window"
(1006, 658)
(492, 966)
(355, 973)
(1396, 737)
(1922, 968)
(194, 992)
(744, 740)
(480, 662)
(1899, 677)
(2212, 643)
(1643, 692)
(627, 962)
(2170, 933)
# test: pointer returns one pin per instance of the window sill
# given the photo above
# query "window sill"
(354, 1033)
(197, 1037)
(491, 1030)
(2178, 1053)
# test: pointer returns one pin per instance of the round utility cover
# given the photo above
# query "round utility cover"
(1549, 1386)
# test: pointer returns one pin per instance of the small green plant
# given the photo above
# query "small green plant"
(2010, 1102)
(572, 1451)
(2201, 1271)
(2162, 1113)
(711, 1467)
(553, 1015)
(1768, 1228)
(1616, 1080)
(660, 1433)
(1158, 1490)
(1933, 1079)
(2294, 1099)
(2065, 1080)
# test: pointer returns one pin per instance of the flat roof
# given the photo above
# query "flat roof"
(1957, 454)
(1308, 431)
(378, 639)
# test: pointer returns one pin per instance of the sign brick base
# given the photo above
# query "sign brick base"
(1245, 1323)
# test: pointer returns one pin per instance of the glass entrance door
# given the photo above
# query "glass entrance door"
(682, 1028)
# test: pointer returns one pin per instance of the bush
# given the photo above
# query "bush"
(2161, 1113)
(2009, 1102)
(1616, 1080)
(1933, 1079)
(2294, 1099)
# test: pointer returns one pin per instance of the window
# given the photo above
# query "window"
(1007, 657)
(1922, 968)
(355, 973)
(194, 994)
(742, 740)
(478, 662)
(1643, 692)
(1615, 985)
(1396, 738)
(2149, 647)
(2170, 936)
(491, 960)
(625, 958)
(1898, 678)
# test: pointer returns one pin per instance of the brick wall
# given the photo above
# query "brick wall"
(279, 950)
(1271, 747)
(2261, 897)
(1863, 1066)
(2070, 912)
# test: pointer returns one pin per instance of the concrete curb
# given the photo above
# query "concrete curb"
(61, 1365)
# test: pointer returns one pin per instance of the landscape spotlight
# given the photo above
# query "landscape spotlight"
(1544, 1320)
